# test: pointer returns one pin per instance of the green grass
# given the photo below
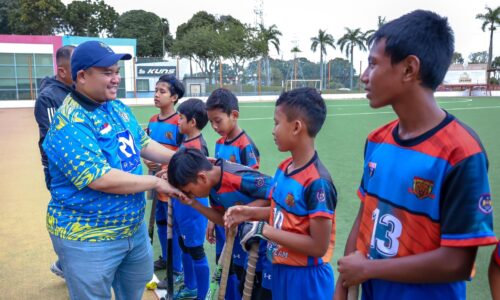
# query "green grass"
(340, 146)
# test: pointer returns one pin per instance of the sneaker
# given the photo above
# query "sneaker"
(160, 264)
(57, 269)
(178, 282)
(186, 293)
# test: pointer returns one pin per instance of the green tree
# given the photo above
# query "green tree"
(457, 58)
(7, 8)
(41, 17)
(478, 57)
(199, 40)
(491, 19)
(264, 37)
(90, 18)
(150, 30)
(236, 43)
(352, 38)
(322, 40)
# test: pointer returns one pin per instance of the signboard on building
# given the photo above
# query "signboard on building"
(155, 71)
(465, 74)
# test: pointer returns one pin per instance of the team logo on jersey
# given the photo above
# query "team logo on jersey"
(232, 158)
(422, 188)
(106, 128)
(371, 167)
(169, 135)
(290, 200)
(128, 152)
(485, 204)
(124, 116)
(320, 195)
(259, 182)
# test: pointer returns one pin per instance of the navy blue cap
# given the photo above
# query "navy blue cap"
(94, 54)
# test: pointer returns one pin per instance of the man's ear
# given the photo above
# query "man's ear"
(411, 70)
(192, 123)
(80, 76)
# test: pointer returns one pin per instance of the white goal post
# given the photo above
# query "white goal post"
(298, 83)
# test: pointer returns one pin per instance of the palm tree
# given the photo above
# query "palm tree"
(491, 19)
(266, 36)
(369, 33)
(323, 39)
(352, 38)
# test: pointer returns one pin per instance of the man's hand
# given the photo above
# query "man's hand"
(152, 166)
(352, 269)
(210, 233)
(251, 232)
(162, 186)
(236, 215)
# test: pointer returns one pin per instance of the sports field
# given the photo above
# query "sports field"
(25, 249)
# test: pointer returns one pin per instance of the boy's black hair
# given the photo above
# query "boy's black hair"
(224, 100)
(175, 85)
(185, 165)
(424, 34)
(194, 108)
(305, 103)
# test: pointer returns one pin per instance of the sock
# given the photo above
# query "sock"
(176, 253)
(189, 272)
(162, 237)
(202, 273)
(232, 292)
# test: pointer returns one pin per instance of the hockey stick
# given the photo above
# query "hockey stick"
(170, 271)
(253, 255)
(352, 292)
(213, 289)
(152, 216)
(226, 262)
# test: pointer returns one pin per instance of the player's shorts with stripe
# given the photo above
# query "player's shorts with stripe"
(191, 224)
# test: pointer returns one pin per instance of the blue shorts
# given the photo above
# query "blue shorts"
(291, 282)
(220, 239)
(190, 224)
(161, 211)
(239, 255)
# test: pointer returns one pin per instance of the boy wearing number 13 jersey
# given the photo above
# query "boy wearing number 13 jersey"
(425, 196)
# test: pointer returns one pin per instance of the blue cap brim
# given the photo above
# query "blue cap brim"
(111, 60)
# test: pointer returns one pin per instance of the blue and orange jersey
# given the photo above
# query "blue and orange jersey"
(166, 131)
(298, 197)
(196, 143)
(239, 185)
(496, 254)
(423, 193)
(240, 150)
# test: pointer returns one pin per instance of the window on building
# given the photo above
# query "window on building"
(22, 73)
(142, 85)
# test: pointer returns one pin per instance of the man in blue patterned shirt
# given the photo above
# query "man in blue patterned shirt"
(96, 215)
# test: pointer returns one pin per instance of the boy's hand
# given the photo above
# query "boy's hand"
(352, 269)
(236, 215)
(210, 233)
(251, 232)
(152, 166)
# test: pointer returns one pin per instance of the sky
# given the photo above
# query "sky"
(298, 21)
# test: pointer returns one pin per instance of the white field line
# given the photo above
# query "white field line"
(356, 105)
(363, 113)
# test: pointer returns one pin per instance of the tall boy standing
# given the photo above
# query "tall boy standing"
(425, 196)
